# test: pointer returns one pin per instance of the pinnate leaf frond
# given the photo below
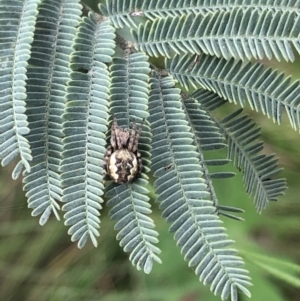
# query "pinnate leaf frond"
(86, 115)
(130, 203)
(244, 150)
(17, 24)
(207, 137)
(123, 12)
(47, 77)
(183, 196)
(131, 208)
(258, 169)
(264, 90)
(241, 34)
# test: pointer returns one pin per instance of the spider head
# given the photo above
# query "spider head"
(124, 137)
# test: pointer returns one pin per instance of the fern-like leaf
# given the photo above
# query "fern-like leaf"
(265, 90)
(244, 151)
(123, 12)
(47, 77)
(17, 21)
(258, 169)
(207, 137)
(183, 195)
(136, 229)
(129, 101)
(86, 116)
(242, 34)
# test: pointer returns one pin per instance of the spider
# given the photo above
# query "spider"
(122, 160)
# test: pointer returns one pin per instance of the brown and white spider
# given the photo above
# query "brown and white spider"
(122, 160)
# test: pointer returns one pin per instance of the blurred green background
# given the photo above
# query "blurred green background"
(41, 264)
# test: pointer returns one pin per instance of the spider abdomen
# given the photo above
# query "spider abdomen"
(123, 166)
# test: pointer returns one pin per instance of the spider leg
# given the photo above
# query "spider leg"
(113, 135)
(132, 137)
(106, 158)
(137, 137)
(117, 136)
(139, 159)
